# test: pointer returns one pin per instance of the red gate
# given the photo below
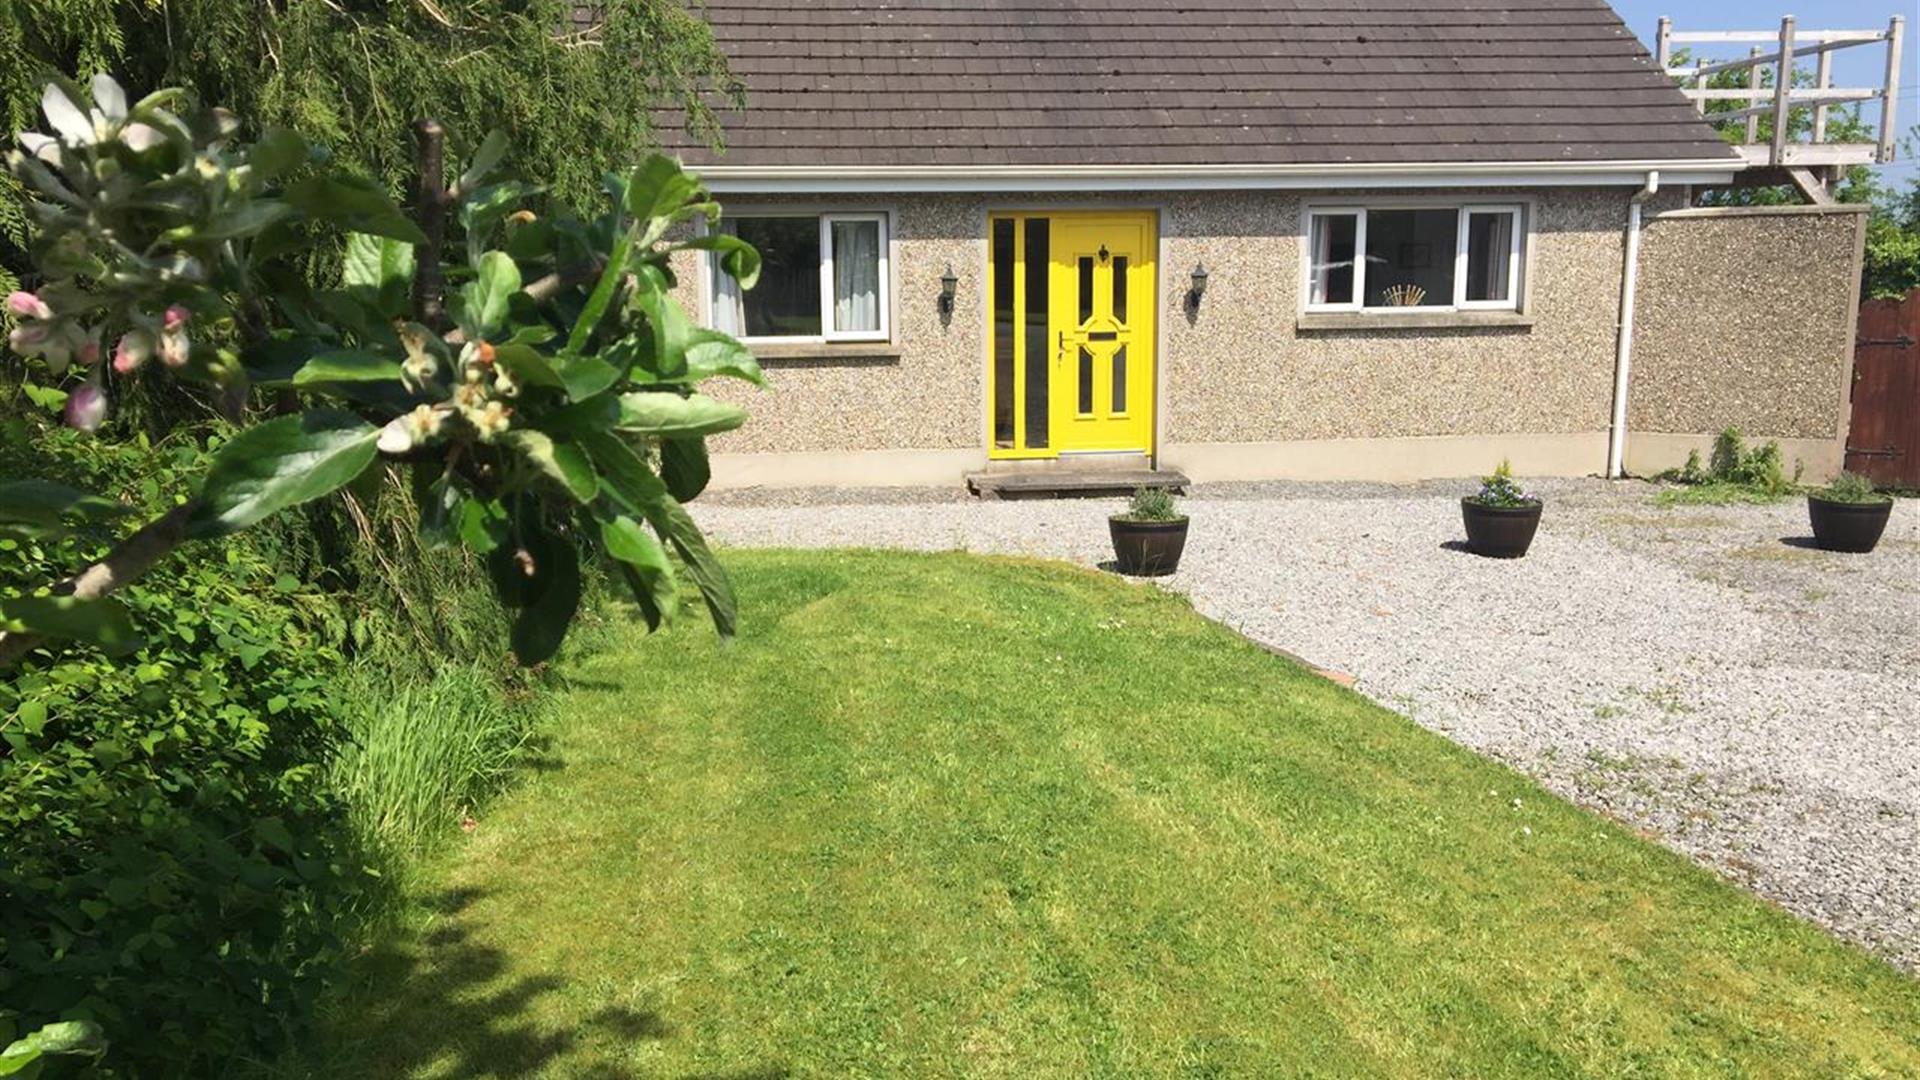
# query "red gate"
(1884, 440)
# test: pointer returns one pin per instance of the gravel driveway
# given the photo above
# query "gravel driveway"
(1699, 672)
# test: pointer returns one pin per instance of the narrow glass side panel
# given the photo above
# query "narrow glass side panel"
(1086, 382)
(1003, 331)
(1120, 288)
(1039, 353)
(1120, 379)
(1086, 288)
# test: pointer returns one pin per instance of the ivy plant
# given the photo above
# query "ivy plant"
(529, 368)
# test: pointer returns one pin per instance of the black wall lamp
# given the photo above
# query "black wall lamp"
(1198, 288)
(949, 284)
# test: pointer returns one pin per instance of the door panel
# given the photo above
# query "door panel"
(1071, 333)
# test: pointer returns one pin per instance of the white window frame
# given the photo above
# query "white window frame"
(1518, 248)
(827, 333)
(1514, 248)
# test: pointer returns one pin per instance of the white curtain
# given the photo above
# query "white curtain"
(728, 316)
(1488, 276)
(856, 275)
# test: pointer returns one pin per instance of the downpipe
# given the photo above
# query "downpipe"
(1623, 356)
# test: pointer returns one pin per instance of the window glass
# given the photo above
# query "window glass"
(1331, 279)
(1039, 349)
(1490, 256)
(1410, 257)
(1003, 331)
(856, 275)
(785, 302)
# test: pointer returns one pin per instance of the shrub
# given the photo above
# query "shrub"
(174, 862)
(1151, 504)
(1851, 487)
(1502, 490)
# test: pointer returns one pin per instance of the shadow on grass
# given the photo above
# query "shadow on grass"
(438, 1001)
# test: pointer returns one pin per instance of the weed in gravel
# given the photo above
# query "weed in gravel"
(1736, 473)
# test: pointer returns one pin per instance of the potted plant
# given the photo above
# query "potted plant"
(1848, 514)
(1149, 534)
(1500, 518)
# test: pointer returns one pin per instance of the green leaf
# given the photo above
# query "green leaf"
(626, 477)
(737, 257)
(710, 353)
(355, 205)
(49, 398)
(563, 462)
(251, 218)
(379, 271)
(669, 415)
(281, 463)
(532, 368)
(346, 365)
(485, 160)
(554, 598)
(45, 503)
(482, 525)
(645, 565)
(103, 622)
(684, 467)
(602, 295)
(70, 1037)
(277, 152)
(486, 297)
(660, 194)
(585, 376)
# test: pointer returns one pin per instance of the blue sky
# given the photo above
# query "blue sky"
(1862, 66)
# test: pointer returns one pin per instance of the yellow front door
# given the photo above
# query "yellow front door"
(1072, 333)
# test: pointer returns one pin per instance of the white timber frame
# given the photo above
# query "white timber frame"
(1790, 44)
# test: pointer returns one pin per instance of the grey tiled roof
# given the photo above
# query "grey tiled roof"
(1185, 82)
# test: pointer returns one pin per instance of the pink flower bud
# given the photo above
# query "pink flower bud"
(88, 352)
(87, 407)
(175, 318)
(135, 348)
(25, 305)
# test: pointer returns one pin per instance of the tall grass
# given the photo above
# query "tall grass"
(425, 756)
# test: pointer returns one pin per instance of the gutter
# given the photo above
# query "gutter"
(779, 179)
(1623, 356)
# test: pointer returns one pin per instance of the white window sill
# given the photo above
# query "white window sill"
(1436, 320)
(824, 351)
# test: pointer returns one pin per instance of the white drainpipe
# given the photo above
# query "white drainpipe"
(1623, 358)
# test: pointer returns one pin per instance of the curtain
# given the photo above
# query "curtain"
(856, 275)
(728, 316)
(1488, 274)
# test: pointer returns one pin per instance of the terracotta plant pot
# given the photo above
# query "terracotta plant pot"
(1147, 548)
(1847, 526)
(1499, 532)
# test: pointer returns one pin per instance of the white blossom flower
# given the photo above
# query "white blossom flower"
(491, 420)
(395, 437)
(70, 124)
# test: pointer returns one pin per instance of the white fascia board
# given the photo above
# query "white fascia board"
(808, 179)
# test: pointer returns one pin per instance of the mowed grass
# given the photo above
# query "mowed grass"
(952, 816)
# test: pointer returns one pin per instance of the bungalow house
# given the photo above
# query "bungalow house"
(1294, 238)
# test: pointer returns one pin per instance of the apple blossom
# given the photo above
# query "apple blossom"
(26, 305)
(86, 407)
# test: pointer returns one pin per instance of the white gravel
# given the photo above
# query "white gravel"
(1699, 672)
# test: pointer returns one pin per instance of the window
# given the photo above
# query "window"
(1424, 257)
(823, 277)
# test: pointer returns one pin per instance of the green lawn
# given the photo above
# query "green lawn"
(942, 815)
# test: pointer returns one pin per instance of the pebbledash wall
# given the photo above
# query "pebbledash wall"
(1745, 318)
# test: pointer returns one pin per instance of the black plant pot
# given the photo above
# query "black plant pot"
(1147, 548)
(1847, 526)
(1499, 532)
